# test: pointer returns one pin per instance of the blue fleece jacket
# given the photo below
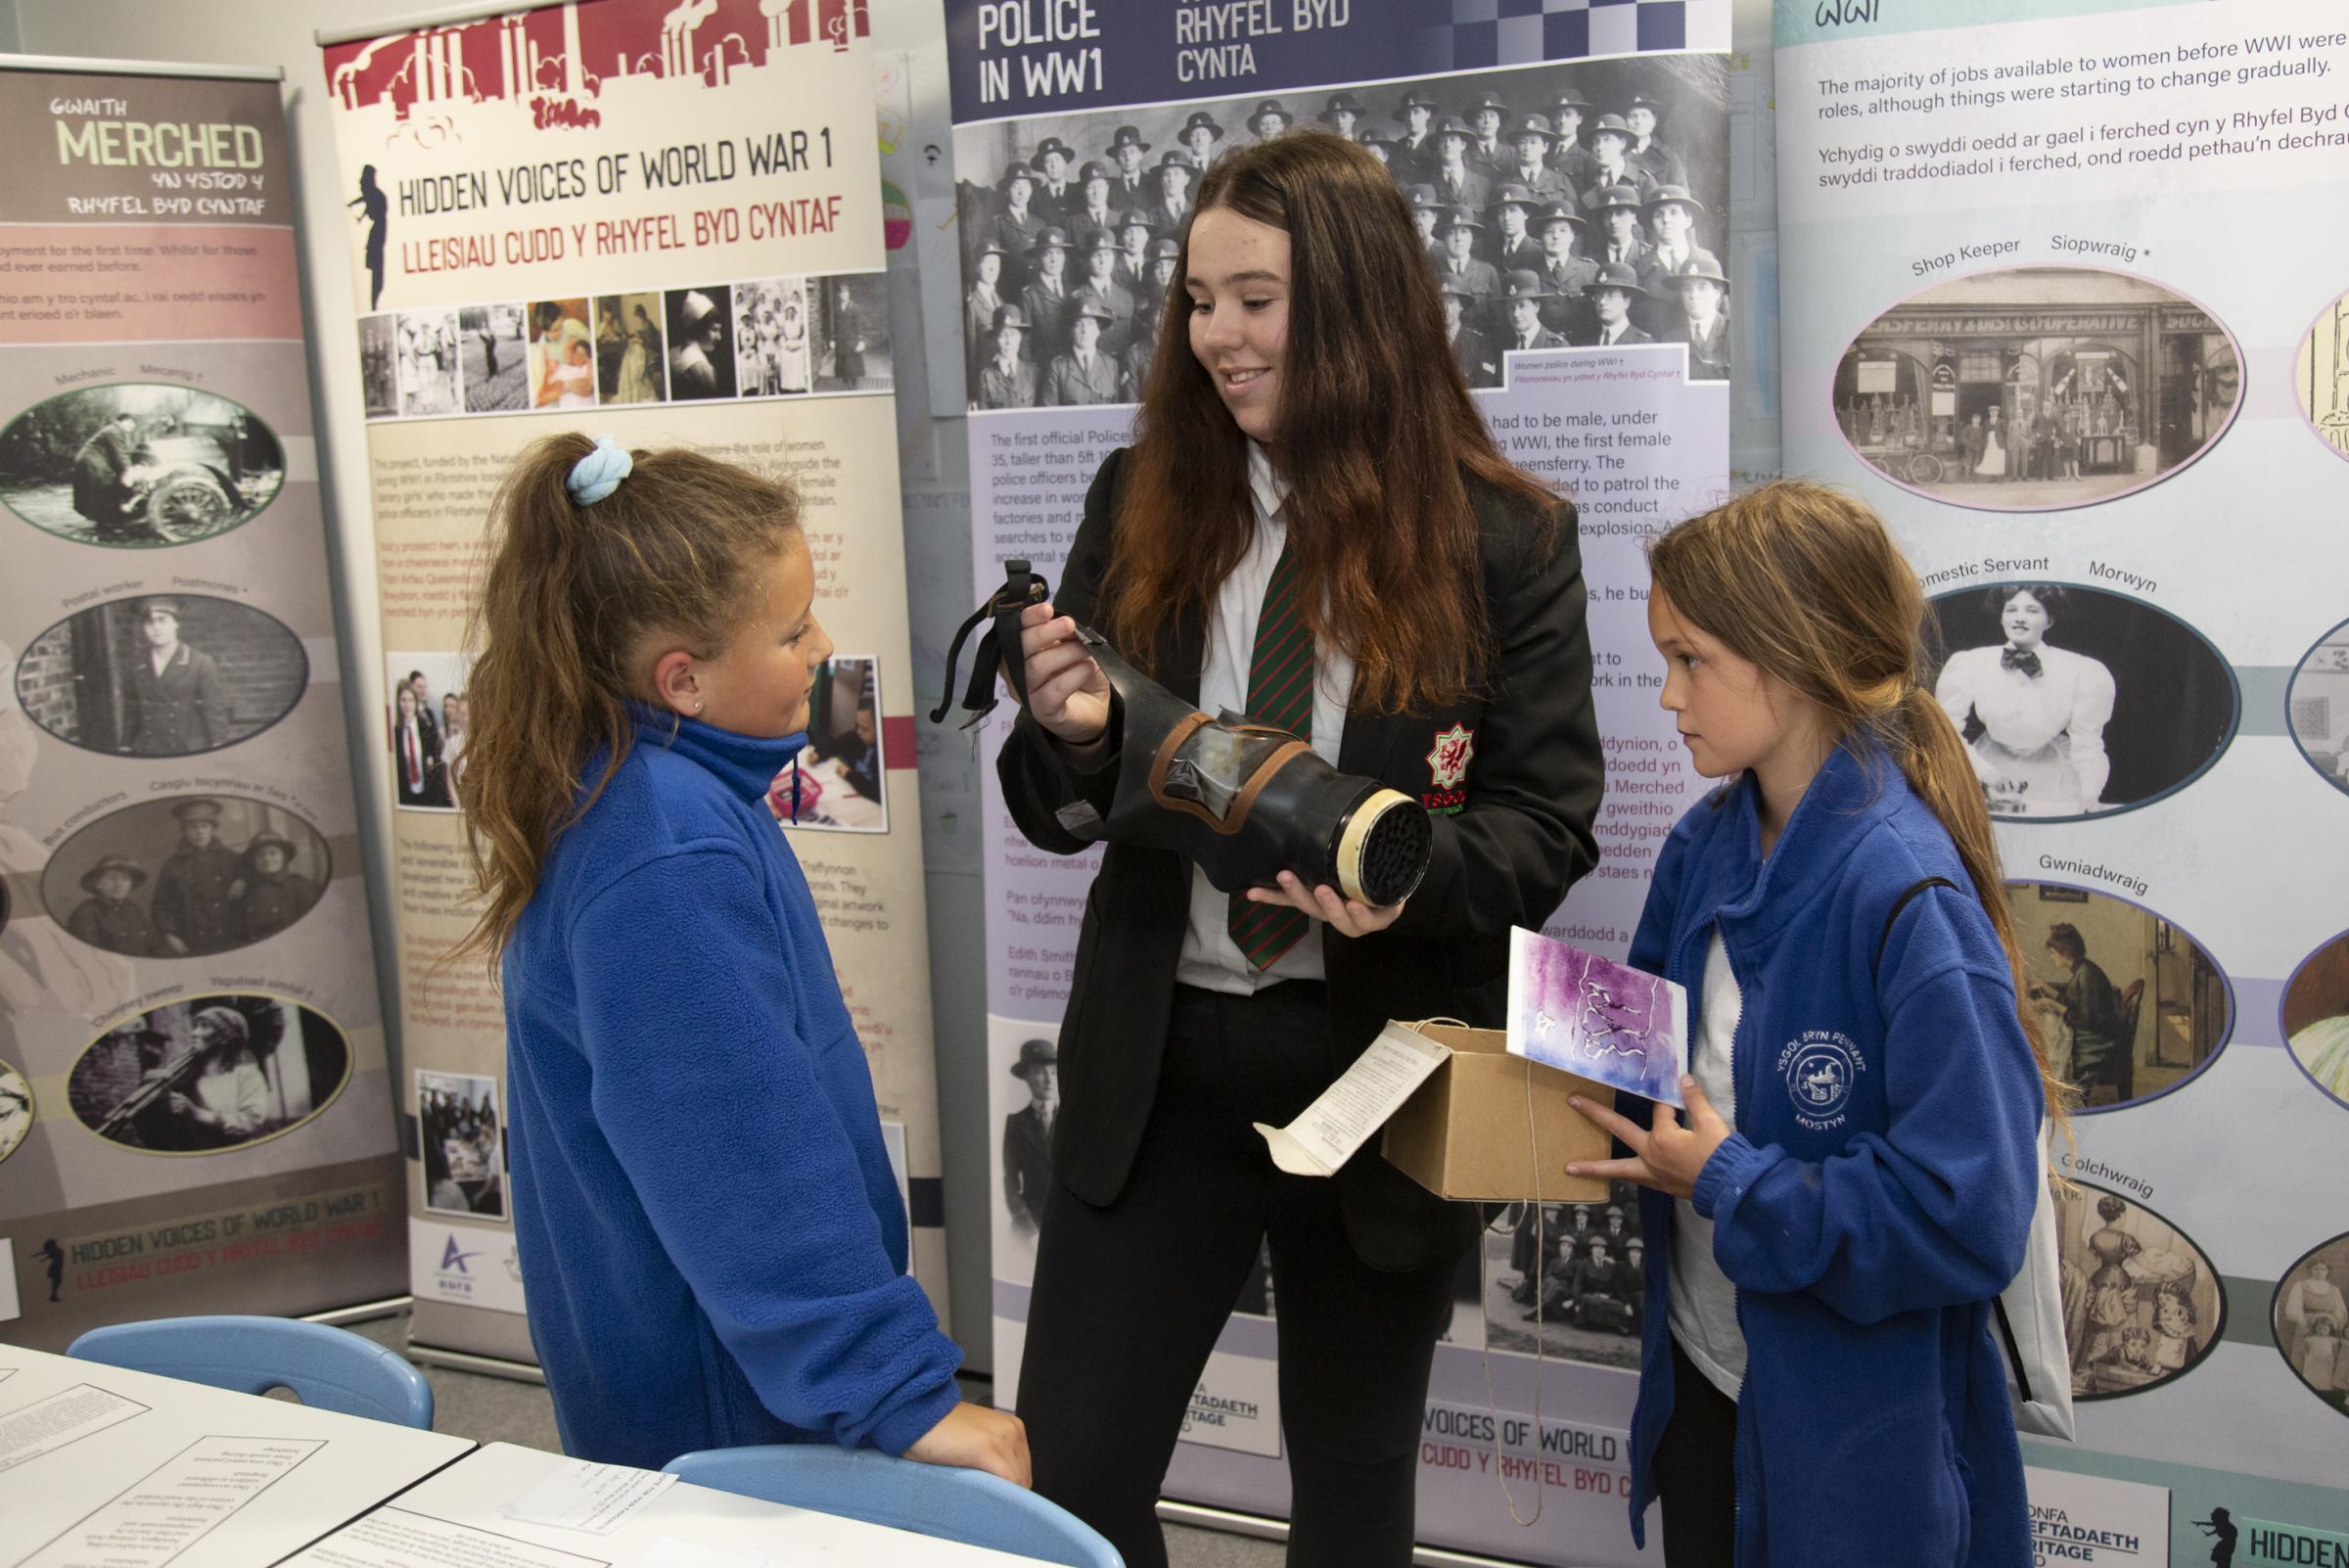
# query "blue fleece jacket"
(711, 1237)
(1878, 1191)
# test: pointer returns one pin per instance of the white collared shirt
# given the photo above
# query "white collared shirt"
(1210, 960)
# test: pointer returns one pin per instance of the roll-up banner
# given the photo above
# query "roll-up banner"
(2065, 302)
(1078, 149)
(196, 1112)
(661, 221)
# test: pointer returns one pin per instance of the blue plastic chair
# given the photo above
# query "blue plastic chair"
(330, 1368)
(971, 1506)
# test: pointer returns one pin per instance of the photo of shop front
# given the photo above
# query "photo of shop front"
(2037, 389)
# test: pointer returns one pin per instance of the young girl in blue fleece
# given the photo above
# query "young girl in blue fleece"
(709, 1230)
(1854, 1178)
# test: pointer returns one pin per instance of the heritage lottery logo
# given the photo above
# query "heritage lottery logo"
(1448, 763)
(1820, 1067)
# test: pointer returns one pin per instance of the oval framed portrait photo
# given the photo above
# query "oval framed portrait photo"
(2317, 699)
(139, 465)
(2141, 1302)
(2316, 1018)
(162, 674)
(185, 876)
(2311, 1322)
(2037, 389)
(2076, 702)
(209, 1075)
(2132, 1008)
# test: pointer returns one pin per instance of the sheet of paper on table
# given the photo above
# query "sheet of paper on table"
(1326, 1134)
(100, 1467)
(1587, 1015)
(584, 1496)
(463, 1518)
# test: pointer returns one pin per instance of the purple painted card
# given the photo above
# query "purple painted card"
(1590, 1015)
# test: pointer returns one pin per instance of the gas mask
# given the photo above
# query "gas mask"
(1242, 800)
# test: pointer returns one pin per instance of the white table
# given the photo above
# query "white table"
(106, 1468)
(456, 1519)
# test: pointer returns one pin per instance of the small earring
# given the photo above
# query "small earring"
(697, 706)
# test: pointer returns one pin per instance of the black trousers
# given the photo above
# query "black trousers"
(1128, 1300)
(1697, 1473)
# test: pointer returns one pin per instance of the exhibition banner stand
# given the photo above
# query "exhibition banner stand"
(2064, 301)
(663, 224)
(1102, 128)
(196, 1112)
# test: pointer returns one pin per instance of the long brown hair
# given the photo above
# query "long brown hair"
(1377, 433)
(569, 594)
(1806, 583)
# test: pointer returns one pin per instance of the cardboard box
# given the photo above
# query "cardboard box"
(1466, 1135)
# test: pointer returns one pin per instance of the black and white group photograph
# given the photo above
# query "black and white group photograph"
(427, 352)
(701, 343)
(2321, 375)
(2075, 701)
(840, 777)
(775, 338)
(16, 1109)
(425, 725)
(161, 676)
(851, 332)
(138, 465)
(209, 1074)
(2141, 1302)
(2316, 1018)
(463, 1145)
(2130, 1006)
(2311, 1322)
(185, 876)
(379, 365)
(2319, 699)
(1582, 205)
(492, 358)
(2037, 389)
(631, 358)
(1567, 1280)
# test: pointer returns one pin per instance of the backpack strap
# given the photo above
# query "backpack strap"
(1900, 903)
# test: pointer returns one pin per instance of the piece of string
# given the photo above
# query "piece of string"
(1541, 1360)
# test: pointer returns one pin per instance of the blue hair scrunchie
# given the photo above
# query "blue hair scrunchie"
(599, 473)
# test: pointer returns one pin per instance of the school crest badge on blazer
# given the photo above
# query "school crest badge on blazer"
(1448, 762)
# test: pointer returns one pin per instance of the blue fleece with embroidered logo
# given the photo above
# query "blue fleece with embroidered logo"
(711, 1237)
(1877, 1193)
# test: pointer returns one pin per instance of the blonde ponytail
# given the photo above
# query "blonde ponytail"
(568, 592)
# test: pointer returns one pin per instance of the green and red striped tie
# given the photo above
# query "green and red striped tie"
(1281, 693)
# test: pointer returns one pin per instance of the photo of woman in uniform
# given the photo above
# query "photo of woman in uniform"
(138, 465)
(2075, 701)
(2040, 388)
(493, 359)
(2130, 1006)
(2315, 1017)
(2141, 1301)
(180, 878)
(142, 676)
(209, 1074)
(2311, 1322)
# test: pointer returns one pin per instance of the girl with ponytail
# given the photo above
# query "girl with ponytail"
(1853, 1181)
(708, 1226)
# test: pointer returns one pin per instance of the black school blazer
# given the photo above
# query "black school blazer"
(1510, 839)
